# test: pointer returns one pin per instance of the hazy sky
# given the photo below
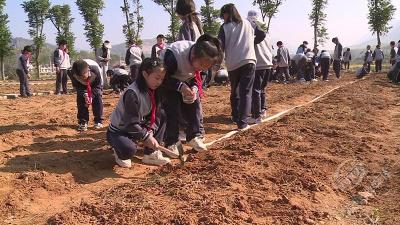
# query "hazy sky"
(346, 19)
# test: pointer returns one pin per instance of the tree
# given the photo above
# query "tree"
(94, 30)
(5, 37)
(169, 7)
(210, 17)
(380, 13)
(60, 17)
(139, 21)
(37, 11)
(128, 28)
(268, 8)
(318, 19)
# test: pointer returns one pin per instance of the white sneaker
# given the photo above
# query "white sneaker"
(264, 114)
(98, 126)
(314, 80)
(173, 148)
(82, 127)
(127, 163)
(182, 136)
(156, 158)
(252, 120)
(244, 128)
(198, 144)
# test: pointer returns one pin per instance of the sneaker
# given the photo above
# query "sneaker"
(98, 126)
(314, 80)
(302, 80)
(173, 148)
(198, 144)
(156, 159)
(326, 80)
(82, 127)
(245, 127)
(252, 120)
(182, 135)
(264, 114)
(127, 163)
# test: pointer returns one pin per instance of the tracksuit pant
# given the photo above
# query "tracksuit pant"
(97, 106)
(325, 64)
(241, 80)
(283, 73)
(134, 72)
(23, 83)
(61, 81)
(336, 68)
(258, 102)
(378, 65)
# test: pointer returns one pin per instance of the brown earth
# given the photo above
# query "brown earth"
(290, 171)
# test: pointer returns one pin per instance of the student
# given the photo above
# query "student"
(368, 58)
(302, 48)
(309, 70)
(183, 61)
(347, 59)
(23, 64)
(325, 60)
(283, 59)
(85, 76)
(337, 56)
(299, 61)
(263, 70)
(158, 48)
(103, 57)
(139, 118)
(361, 72)
(378, 56)
(238, 38)
(119, 79)
(393, 52)
(61, 63)
(133, 58)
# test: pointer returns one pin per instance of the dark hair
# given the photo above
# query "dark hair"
(130, 41)
(378, 46)
(208, 46)
(279, 43)
(148, 65)
(305, 42)
(392, 43)
(185, 7)
(62, 42)
(27, 48)
(122, 67)
(160, 36)
(194, 18)
(233, 14)
(368, 46)
(348, 49)
(335, 39)
(79, 67)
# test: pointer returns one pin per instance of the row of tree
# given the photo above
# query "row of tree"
(39, 11)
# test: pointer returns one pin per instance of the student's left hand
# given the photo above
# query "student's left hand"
(151, 142)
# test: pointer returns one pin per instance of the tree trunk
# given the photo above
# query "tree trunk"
(127, 17)
(378, 37)
(3, 77)
(37, 64)
(173, 21)
(315, 37)
(269, 22)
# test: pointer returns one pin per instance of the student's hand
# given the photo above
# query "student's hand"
(57, 69)
(186, 91)
(151, 142)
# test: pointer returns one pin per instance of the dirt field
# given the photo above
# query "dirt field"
(304, 168)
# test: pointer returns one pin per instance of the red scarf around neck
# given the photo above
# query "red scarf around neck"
(153, 107)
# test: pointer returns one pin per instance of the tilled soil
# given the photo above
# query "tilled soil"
(304, 168)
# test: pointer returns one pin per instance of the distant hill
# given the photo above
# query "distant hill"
(20, 42)
(120, 49)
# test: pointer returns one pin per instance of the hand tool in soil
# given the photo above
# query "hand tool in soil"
(182, 157)
(166, 150)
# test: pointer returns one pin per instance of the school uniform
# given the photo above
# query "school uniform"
(179, 71)
(134, 57)
(325, 60)
(301, 49)
(102, 54)
(300, 61)
(264, 57)
(61, 61)
(240, 58)
(23, 63)
(393, 52)
(96, 90)
(309, 70)
(188, 32)
(120, 79)
(346, 59)
(368, 59)
(337, 58)
(378, 56)
(131, 123)
(156, 50)
(283, 59)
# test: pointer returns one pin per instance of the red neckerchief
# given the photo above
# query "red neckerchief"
(162, 46)
(197, 77)
(89, 90)
(153, 107)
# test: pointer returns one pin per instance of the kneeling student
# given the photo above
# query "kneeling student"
(138, 118)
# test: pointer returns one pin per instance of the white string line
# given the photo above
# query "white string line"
(277, 115)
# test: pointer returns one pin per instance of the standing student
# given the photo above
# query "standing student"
(133, 58)
(238, 38)
(62, 63)
(337, 56)
(325, 60)
(368, 58)
(302, 48)
(158, 48)
(183, 61)
(347, 59)
(309, 69)
(139, 118)
(378, 56)
(103, 57)
(283, 59)
(85, 76)
(263, 70)
(23, 64)
(393, 52)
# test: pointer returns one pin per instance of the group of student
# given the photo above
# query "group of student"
(166, 91)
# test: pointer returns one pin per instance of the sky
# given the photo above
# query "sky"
(347, 19)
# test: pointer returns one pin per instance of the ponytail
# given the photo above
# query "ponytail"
(208, 46)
